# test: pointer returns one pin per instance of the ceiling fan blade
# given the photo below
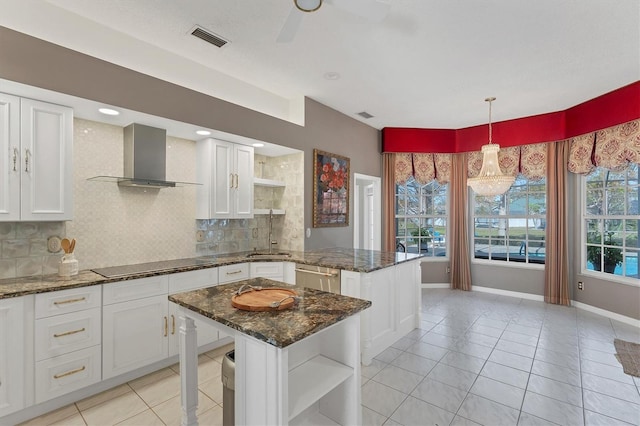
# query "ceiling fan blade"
(371, 10)
(290, 27)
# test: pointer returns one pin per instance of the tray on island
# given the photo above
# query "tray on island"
(264, 299)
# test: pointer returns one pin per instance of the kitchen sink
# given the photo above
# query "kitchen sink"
(275, 255)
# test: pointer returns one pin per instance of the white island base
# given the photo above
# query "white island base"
(313, 381)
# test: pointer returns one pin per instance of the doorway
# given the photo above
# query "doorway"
(367, 214)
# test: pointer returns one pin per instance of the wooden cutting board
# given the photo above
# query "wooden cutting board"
(260, 300)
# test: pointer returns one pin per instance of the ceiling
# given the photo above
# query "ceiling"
(426, 64)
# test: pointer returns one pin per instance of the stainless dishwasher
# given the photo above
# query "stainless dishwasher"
(318, 277)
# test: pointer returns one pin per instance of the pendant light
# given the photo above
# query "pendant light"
(308, 5)
(490, 181)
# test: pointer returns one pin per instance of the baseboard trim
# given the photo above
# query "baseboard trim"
(607, 314)
(436, 285)
(509, 293)
(612, 315)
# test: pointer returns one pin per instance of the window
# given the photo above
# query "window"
(610, 218)
(511, 227)
(421, 218)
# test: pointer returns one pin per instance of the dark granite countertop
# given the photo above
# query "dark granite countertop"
(315, 311)
(338, 258)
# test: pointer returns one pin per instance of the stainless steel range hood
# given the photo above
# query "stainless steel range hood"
(145, 159)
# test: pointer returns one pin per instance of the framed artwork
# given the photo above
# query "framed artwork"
(330, 189)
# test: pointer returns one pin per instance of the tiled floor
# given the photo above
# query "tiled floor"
(477, 359)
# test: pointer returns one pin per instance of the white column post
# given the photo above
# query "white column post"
(188, 371)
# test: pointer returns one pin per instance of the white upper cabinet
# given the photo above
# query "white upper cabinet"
(226, 173)
(36, 182)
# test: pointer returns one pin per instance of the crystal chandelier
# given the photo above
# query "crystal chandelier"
(490, 181)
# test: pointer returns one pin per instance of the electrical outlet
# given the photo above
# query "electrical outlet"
(254, 233)
(580, 285)
(448, 270)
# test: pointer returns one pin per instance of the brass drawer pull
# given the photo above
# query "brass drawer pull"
(63, 302)
(67, 333)
(68, 373)
(239, 271)
(173, 324)
(166, 327)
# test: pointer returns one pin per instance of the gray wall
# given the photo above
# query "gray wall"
(35, 62)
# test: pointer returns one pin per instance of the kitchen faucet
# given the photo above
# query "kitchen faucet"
(271, 240)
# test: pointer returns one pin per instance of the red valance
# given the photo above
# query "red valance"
(616, 107)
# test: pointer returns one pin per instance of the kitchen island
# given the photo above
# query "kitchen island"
(291, 366)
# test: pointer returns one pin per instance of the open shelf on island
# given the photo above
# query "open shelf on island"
(312, 380)
(266, 211)
(268, 182)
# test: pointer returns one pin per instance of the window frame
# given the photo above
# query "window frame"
(429, 255)
(508, 262)
(583, 235)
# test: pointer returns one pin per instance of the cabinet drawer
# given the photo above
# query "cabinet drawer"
(65, 301)
(192, 280)
(274, 270)
(65, 373)
(124, 291)
(67, 333)
(231, 273)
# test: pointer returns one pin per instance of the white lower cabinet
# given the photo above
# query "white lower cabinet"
(277, 271)
(68, 335)
(16, 353)
(65, 373)
(135, 334)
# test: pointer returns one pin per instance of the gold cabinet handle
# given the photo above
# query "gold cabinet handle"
(67, 333)
(237, 179)
(235, 272)
(63, 302)
(15, 158)
(166, 327)
(68, 373)
(27, 154)
(173, 324)
(231, 179)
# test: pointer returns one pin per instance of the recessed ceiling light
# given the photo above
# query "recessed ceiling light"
(331, 75)
(258, 145)
(203, 132)
(108, 111)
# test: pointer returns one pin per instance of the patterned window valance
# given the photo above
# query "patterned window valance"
(612, 148)
(423, 167)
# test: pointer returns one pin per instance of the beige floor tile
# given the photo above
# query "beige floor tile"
(151, 378)
(170, 412)
(159, 391)
(94, 400)
(53, 417)
(213, 389)
(212, 417)
(218, 353)
(115, 410)
(208, 368)
(75, 420)
(146, 418)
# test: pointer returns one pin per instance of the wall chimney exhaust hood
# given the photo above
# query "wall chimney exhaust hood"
(145, 159)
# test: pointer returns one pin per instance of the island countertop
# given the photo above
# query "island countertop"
(356, 260)
(315, 311)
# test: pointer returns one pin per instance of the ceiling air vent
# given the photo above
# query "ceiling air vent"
(208, 36)
(365, 115)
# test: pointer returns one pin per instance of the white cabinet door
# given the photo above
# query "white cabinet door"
(243, 196)
(14, 352)
(46, 167)
(10, 163)
(225, 171)
(134, 334)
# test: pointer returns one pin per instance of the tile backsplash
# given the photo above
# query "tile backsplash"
(23, 248)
